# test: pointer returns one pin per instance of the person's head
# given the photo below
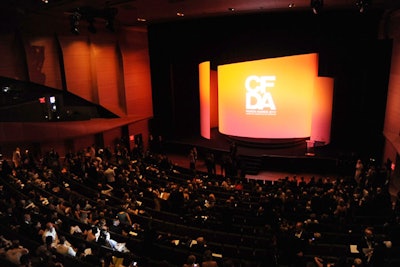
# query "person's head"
(80, 246)
(228, 263)
(116, 221)
(357, 262)
(369, 232)
(94, 229)
(207, 255)
(27, 217)
(49, 240)
(191, 259)
(299, 226)
(201, 241)
(49, 226)
(25, 260)
(62, 239)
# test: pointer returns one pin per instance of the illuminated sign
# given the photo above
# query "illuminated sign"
(258, 100)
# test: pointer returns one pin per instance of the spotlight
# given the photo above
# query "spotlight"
(90, 14)
(362, 5)
(75, 17)
(316, 5)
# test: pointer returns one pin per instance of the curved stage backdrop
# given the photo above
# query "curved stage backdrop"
(274, 98)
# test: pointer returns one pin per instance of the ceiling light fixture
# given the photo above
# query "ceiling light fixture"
(316, 5)
(362, 5)
(90, 15)
(74, 20)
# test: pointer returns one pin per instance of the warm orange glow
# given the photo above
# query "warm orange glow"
(214, 99)
(105, 62)
(205, 99)
(78, 68)
(135, 75)
(269, 98)
(322, 110)
(279, 95)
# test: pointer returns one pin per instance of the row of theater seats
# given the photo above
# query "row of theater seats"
(247, 241)
(175, 254)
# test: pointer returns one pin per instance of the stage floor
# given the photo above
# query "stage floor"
(276, 161)
(267, 175)
(291, 156)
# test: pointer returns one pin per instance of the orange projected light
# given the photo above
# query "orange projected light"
(205, 99)
(322, 110)
(269, 98)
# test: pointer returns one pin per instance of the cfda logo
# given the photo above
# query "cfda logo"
(259, 101)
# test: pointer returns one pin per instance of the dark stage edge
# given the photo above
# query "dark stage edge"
(257, 155)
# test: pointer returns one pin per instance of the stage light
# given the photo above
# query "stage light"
(316, 5)
(90, 15)
(75, 18)
(362, 5)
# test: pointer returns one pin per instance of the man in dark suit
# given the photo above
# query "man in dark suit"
(30, 228)
(371, 249)
(299, 242)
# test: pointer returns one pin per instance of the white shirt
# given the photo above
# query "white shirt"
(63, 249)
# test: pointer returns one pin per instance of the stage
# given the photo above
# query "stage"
(290, 155)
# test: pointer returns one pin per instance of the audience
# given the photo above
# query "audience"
(46, 248)
(130, 185)
(50, 230)
(299, 243)
(14, 253)
(64, 249)
(371, 248)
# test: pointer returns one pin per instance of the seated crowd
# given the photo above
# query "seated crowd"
(104, 207)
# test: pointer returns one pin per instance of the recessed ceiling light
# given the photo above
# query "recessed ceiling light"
(231, 9)
(291, 5)
(179, 14)
(141, 19)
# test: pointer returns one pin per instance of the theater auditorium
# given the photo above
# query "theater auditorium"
(199, 133)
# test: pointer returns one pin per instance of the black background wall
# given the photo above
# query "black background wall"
(350, 50)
